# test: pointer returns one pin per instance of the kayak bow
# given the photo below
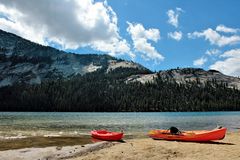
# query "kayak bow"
(107, 135)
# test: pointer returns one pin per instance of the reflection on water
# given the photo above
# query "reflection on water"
(53, 123)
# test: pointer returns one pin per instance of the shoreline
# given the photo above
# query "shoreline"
(132, 148)
(42, 142)
(13, 143)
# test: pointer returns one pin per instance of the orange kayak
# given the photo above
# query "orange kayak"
(189, 136)
(106, 135)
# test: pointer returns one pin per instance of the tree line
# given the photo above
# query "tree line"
(101, 92)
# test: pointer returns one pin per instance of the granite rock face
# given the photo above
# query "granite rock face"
(188, 75)
(22, 61)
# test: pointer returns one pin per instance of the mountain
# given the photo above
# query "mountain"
(22, 61)
(40, 78)
(187, 75)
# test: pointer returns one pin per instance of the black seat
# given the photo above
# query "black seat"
(174, 130)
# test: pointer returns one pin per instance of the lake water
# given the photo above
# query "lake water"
(81, 123)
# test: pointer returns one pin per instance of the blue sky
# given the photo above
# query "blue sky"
(207, 33)
(196, 16)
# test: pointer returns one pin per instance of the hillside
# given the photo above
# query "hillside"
(40, 78)
(186, 75)
(22, 61)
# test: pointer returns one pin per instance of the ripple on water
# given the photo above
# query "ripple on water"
(13, 124)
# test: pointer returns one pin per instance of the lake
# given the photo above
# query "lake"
(22, 124)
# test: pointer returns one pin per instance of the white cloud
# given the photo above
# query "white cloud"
(72, 24)
(173, 16)
(140, 37)
(138, 31)
(200, 62)
(222, 28)
(215, 38)
(230, 65)
(213, 52)
(175, 35)
(234, 53)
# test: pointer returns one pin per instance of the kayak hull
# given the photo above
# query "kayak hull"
(106, 135)
(189, 136)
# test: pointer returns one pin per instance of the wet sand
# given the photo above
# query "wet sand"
(130, 149)
(40, 142)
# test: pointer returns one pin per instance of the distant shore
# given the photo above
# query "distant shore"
(137, 148)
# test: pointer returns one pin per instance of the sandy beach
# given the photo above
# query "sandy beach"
(146, 148)
(132, 149)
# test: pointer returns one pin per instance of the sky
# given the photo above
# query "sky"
(159, 34)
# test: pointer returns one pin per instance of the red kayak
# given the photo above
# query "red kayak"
(189, 136)
(106, 135)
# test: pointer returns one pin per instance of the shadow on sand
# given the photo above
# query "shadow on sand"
(207, 142)
(98, 140)
(219, 143)
(121, 141)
